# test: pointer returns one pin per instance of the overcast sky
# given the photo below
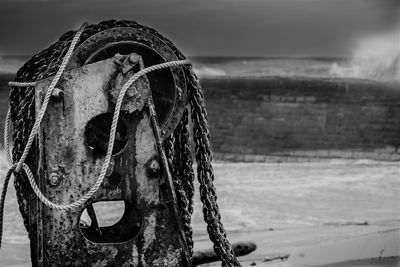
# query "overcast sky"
(208, 27)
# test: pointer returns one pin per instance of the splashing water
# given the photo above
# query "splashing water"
(376, 57)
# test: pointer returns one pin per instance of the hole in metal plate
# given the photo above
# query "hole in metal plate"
(97, 134)
(110, 222)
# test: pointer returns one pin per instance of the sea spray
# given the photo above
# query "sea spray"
(376, 57)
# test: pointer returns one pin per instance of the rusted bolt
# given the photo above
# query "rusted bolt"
(139, 101)
(57, 93)
(110, 168)
(54, 179)
(133, 58)
(154, 167)
(131, 92)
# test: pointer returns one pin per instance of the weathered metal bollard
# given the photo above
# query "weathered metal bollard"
(149, 169)
(71, 149)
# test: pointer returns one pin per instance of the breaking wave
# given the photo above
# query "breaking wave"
(258, 67)
(210, 71)
(376, 57)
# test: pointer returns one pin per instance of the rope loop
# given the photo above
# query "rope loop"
(21, 84)
(3, 199)
(36, 125)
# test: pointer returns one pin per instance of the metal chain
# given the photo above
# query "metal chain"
(185, 166)
(180, 163)
(205, 174)
(169, 145)
(46, 63)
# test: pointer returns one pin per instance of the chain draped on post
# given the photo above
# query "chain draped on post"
(205, 173)
(178, 146)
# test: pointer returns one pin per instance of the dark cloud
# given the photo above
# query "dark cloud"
(207, 27)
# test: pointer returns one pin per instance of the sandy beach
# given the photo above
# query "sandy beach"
(291, 205)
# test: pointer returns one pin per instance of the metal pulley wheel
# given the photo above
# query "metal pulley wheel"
(98, 42)
(168, 86)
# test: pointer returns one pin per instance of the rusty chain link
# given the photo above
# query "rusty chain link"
(205, 173)
(178, 146)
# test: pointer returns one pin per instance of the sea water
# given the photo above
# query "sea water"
(373, 57)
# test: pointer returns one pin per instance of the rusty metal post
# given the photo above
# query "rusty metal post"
(71, 150)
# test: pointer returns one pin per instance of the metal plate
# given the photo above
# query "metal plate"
(147, 235)
(126, 40)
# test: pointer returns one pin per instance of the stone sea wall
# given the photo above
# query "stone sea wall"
(291, 119)
(296, 119)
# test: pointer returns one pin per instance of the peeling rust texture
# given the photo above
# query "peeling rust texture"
(135, 98)
(63, 149)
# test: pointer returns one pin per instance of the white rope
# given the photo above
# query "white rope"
(7, 137)
(21, 84)
(54, 82)
(110, 147)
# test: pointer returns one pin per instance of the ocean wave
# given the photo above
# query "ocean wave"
(376, 57)
(209, 71)
(259, 67)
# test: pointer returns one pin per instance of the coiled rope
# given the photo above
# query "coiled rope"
(22, 165)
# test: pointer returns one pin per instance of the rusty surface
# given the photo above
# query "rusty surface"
(164, 83)
(147, 234)
(135, 97)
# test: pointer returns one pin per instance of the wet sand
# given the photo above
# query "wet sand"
(278, 206)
